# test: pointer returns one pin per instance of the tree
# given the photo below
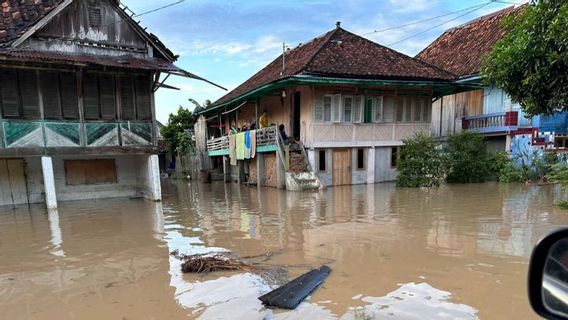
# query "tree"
(468, 158)
(530, 61)
(421, 163)
(175, 132)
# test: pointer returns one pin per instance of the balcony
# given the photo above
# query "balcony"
(266, 141)
(61, 133)
(499, 122)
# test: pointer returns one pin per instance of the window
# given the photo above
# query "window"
(91, 99)
(59, 95)
(378, 103)
(388, 109)
(360, 159)
(321, 160)
(394, 156)
(143, 95)
(427, 103)
(19, 96)
(368, 112)
(399, 109)
(347, 108)
(357, 109)
(127, 98)
(327, 108)
(407, 109)
(88, 172)
(418, 105)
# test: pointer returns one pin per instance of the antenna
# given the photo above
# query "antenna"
(283, 57)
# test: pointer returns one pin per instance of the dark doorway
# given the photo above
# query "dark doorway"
(296, 116)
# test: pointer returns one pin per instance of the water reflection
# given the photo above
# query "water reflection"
(457, 250)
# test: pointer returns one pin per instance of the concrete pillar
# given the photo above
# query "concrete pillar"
(260, 170)
(56, 235)
(508, 141)
(371, 165)
(312, 159)
(153, 187)
(49, 183)
(280, 173)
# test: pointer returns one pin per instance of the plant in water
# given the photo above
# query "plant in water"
(468, 158)
(421, 163)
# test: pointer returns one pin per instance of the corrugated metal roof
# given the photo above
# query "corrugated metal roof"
(125, 61)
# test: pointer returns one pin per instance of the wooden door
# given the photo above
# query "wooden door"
(13, 189)
(341, 166)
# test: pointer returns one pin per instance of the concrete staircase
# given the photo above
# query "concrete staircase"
(299, 176)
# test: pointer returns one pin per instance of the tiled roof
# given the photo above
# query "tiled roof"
(17, 16)
(460, 50)
(342, 54)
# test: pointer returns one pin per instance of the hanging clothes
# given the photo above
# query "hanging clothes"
(240, 145)
(247, 145)
(232, 150)
(252, 144)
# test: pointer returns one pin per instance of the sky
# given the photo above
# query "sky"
(229, 41)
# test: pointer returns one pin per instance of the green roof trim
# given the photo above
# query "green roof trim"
(439, 88)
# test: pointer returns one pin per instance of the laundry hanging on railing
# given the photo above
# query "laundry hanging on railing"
(252, 144)
(232, 150)
(240, 145)
(247, 145)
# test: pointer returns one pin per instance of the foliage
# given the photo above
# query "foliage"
(468, 158)
(559, 174)
(563, 205)
(538, 168)
(498, 162)
(175, 133)
(530, 61)
(421, 164)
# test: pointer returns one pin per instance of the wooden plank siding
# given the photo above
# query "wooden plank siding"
(448, 111)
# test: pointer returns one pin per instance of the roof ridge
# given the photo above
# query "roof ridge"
(400, 53)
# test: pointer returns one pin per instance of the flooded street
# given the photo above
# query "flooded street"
(458, 252)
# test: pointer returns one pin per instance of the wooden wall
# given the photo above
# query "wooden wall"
(448, 111)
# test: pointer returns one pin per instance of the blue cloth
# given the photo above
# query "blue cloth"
(247, 145)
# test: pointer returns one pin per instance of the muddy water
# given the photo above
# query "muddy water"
(458, 252)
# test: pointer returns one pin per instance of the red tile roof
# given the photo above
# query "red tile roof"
(342, 54)
(460, 50)
(17, 16)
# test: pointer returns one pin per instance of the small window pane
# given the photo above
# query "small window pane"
(399, 109)
(407, 110)
(327, 109)
(347, 108)
(388, 109)
(360, 159)
(321, 160)
(394, 156)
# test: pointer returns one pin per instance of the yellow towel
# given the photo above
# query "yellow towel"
(240, 146)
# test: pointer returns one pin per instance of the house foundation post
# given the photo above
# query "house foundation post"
(49, 183)
(260, 170)
(154, 188)
(225, 169)
(371, 165)
(280, 173)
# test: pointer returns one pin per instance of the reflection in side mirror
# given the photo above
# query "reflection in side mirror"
(548, 276)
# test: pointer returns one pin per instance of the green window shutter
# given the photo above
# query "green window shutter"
(143, 104)
(9, 94)
(69, 100)
(368, 116)
(107, 87)
(91, 101)
(49, 82)
(127, 98)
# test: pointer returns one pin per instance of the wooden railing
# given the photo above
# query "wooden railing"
(218, 143)
(494, 122)
(266, 136)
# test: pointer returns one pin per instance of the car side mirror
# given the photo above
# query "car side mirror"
(548, 276)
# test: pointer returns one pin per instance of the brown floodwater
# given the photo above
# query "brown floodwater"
(457, 252)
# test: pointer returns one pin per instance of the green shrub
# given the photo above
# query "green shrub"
(468, 158)
(559, 174)
(421, 163)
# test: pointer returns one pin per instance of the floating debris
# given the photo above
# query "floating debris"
(292, 293)
(205, 263)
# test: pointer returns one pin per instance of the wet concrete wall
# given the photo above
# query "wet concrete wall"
(383, 169)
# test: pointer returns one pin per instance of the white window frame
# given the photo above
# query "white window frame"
(378, 103)
(358, 103)
(330, 108)
(342, 109)
(336, 108)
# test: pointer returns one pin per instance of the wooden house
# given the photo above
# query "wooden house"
(487, 110)
(348, 101)
(77, 111)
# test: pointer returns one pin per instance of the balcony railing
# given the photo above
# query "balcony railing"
(265, 142)
(492, 123)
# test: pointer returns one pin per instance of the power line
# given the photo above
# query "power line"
(441, 24)
(420, 21)
(143, 13)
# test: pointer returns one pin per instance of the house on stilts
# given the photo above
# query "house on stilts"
(347, 101)
(77, 110)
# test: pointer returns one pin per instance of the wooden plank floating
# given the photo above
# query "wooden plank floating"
(292, 293)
